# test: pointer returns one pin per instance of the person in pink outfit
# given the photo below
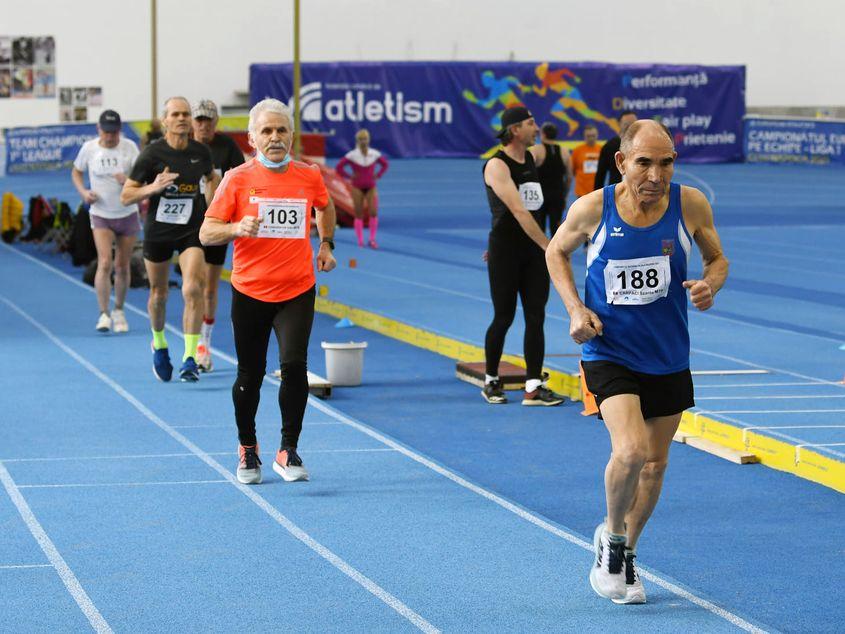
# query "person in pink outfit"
(364, 162)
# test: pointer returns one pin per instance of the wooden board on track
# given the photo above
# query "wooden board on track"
(512, 376)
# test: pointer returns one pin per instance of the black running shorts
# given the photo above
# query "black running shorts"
(163, 251)
(216, 254)
(660, 394)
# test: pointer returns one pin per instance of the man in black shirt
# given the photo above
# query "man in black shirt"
(607, 157)
(515, 257)
(554, 168)
(169, 173)
(226, 154)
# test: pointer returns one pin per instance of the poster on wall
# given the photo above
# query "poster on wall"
(454, 109)
(27, 67)
(75, 102)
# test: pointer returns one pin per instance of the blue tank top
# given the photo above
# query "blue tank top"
(634, 284)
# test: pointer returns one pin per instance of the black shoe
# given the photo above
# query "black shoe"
(542, 396)
(494, 393)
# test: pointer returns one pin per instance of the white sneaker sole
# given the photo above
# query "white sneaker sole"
(606, 593)
(528, 403)
(494, 401)
(120, 328)
(249, 476)
(633, 596)
(291, 474)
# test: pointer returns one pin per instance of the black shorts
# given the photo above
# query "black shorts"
(163, 251)
(660, 394)
(216, 254)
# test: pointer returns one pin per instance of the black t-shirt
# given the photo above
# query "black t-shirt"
(607, 164)
(552, 172)
(177, 211)
(505, 227)
(225, 153)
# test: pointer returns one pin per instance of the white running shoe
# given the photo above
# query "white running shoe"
(607, 576)
(118, 320)
(635, 593)
(249, 465)
(288, 464)
(103, 323)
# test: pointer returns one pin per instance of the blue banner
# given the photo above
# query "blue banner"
(774, 140)
(453, 109)
(49, 147)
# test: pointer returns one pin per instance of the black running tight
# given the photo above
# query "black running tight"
(513, 272)
(252, 322)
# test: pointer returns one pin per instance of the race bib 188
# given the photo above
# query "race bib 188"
(174, 211)
(532, 196)
(637, 281)
(281, 217)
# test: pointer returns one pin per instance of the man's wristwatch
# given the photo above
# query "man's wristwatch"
(329, 242)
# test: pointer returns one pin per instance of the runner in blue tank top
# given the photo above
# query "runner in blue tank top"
(633, 327)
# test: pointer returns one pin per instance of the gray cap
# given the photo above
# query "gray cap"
(205, 108)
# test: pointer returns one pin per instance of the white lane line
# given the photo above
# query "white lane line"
(84, 485)
(364, 581)
(797, 375)
(774, 411)
(180, 455)
(231, 427)
(54, 557)
(25, 566)
(317, 404)
(767, 398)
(527, 515)
(711, 193)
(774, 384)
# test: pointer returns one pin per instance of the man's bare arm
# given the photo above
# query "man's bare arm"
(580, 224)
(698, 216)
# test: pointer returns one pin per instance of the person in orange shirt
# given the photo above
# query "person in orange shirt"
(585, 160)
(264, 206)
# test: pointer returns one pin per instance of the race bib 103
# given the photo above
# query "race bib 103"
(283, 218)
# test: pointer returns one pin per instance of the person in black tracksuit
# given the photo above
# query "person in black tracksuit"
(516, 257)
(606, 171)
(555, 171)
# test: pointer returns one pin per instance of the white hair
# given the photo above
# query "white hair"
(167, 104)
(269, 105)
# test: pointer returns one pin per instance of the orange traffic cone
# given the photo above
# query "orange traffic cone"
(587, 397)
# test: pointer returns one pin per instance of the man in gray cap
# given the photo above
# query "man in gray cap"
(226, 154)
(515, 257)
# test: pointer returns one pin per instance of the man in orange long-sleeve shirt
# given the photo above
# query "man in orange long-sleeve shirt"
(585, 160)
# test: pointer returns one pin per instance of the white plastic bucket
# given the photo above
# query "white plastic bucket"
(344, 362)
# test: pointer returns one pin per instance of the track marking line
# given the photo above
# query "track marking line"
(83, 485)
(778, 384)
(711, 193)
(180, 455)
(55, 558)
(25, 566)
(767, 398)
(365, 582)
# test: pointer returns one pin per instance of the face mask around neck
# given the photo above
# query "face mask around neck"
(272, 164)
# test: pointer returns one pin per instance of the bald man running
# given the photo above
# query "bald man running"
(633, 328)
